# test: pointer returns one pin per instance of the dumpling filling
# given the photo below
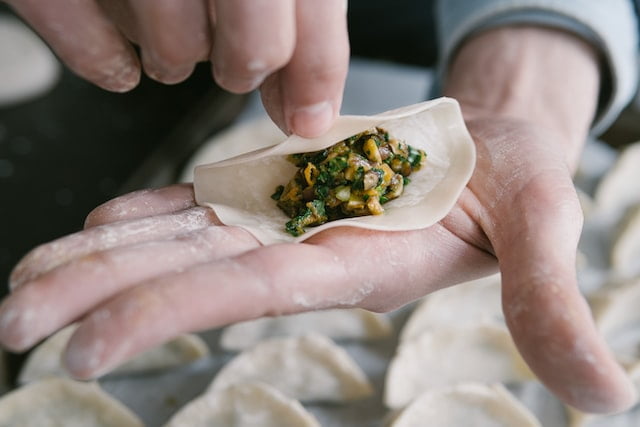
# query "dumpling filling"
(354, 177)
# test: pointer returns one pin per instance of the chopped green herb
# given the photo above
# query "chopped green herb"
(351, 178)
(278, 193)
(415, 156)
(314, 214)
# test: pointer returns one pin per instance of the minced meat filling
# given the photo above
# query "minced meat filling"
(354, 177)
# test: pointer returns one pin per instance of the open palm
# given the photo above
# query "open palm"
(151, 265)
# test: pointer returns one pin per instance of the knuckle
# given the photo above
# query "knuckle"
(118, 72)
(248, 59)
(328, 72)
(167, 54)
(326, 67)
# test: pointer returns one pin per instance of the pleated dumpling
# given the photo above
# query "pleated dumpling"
(445, 357)
(617, 191)
(625, 250)
(468, 304)
(45, 360)
(307, 368)
(55, 402)
(337, 324)
(477, 404)
(616, 314)
(243, 405)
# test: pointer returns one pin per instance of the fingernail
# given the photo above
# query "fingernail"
(173, 76)
(82, 361)
(238, 84)
(123, 76)
(128, 79)
(16, 327)
(312, 120)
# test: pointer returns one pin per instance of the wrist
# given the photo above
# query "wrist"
(538, 75)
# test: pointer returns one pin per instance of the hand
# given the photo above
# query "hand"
(296, 50)
(151, 265)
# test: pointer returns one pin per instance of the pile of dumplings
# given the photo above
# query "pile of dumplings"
(446, 360)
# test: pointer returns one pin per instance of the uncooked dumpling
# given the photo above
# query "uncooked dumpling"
(27, 66)
(336, 324)
(625, 251)
(240, 189)
(243, 405)
(467, 404)
(308, 368)
(56, 402)
(617, 315)
(45, 360)
(618, 190)
(444, 357)
(468, 304)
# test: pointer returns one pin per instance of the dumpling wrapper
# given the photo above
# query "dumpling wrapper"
(237, 139)
(625, 250)
(239, 189)
(337, 324)
(445, 357)
(467, 304)
(244, 405)
(477, 404)
(308, 368)
(45, 360)
(55, 402)
(616, 314)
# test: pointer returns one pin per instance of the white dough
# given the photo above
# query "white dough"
(243, 405)
(45, 360)
(467, 304)
(27, 66)
(468, 405)
(337, 324)
(239, 189)
(308, 368)
(448, 356)
(625, 251)
(238, 139)
(56, 402)
(616, 311)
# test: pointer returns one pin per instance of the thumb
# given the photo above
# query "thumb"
(550, 321)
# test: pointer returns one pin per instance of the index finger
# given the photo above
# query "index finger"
(253, 38)
(341, 270)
